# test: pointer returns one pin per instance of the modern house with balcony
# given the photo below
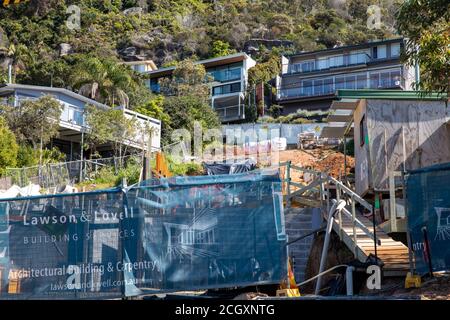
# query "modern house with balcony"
(72, 124)
(142, 66)
(228, 87)
(309, 80)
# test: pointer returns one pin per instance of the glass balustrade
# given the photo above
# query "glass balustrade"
(329, 62)
(227, 75)
(324, 86)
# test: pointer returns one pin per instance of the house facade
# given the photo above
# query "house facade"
(141, 66)
(309, 80)
(72, 123)
(228, 87)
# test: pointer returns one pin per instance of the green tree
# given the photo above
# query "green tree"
(19, 57)
(191, 99)
(275, 110)
(103, 80)
(155, 108)
(184, 111)
(8, 147)
(109, 126)
(221, 48)
(34, 121)
(425, 23)
(188, 79)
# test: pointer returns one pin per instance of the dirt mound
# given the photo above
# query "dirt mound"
(325, 160)
(333, 164)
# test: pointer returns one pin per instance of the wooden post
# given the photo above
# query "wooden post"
(374, 225)
(345, 158)
(355, 240)
(408, 233)
(392, 206)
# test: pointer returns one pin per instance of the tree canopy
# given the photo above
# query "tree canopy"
(426, 25)
(35, 121)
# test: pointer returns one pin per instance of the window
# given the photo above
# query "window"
(350, 82)
(328, 85)
(307, 87)
(307, 66)
(395, 49)
(322, 63)
(154, 86)
(382, 52)
(336, 61)
(225, 89)
(361, 131)
(374, 80)
(340, 83)
(385, 80)
(361, 82)
(396, 78)
(318, 87)
(357, 57)
(375, 52)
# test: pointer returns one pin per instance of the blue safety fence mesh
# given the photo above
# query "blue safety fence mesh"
(428, 203)
(182, 233)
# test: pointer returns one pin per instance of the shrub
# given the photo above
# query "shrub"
(8, 147)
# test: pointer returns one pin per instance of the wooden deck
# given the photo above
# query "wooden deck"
(394, 254)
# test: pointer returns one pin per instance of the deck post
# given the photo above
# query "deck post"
(355, 240)
(408, 233)
(392, 206)
(288, 178)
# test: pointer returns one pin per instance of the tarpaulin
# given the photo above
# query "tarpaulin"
(428, 212)
(229, 168)
(182, 233)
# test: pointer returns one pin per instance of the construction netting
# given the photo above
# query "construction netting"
(429, 217)
(182, 233)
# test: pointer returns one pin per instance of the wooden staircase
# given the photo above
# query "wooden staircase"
(355, 230)
(394, 254)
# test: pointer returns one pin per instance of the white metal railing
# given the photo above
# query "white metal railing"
(321, 183)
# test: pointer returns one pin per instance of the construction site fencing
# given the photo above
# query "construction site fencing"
(428, 213)
(57, 175)
(181, 233)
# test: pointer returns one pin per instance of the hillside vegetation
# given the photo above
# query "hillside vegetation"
(44, 49)
(168, 31)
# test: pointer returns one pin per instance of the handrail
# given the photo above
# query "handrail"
(356, 221)
(320, 179)
(350, 192)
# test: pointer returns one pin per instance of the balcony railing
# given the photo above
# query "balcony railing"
(329, 63)
(296, 90)
(227, 75)
(230, 113)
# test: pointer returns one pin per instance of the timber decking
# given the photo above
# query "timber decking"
(394, 254)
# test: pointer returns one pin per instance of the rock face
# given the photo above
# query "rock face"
(65, 49)
(134, 10)
(252, 45)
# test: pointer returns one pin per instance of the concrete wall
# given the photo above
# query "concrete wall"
(299, 222)
(263, 131)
